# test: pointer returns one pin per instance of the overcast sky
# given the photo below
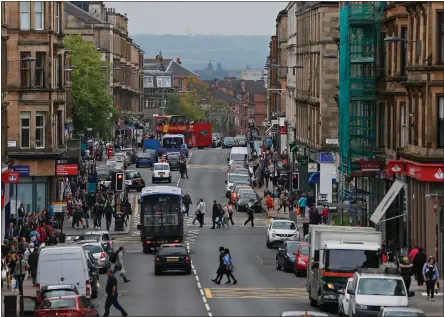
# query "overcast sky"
(179, 18)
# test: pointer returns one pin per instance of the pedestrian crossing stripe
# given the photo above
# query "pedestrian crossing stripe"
(439, 294)
(255, 293)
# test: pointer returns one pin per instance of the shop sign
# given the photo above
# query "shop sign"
(67, 167)
(11, 177)
(283, 130)
(370, 166)
(12, 143)
(73, 148)
(24, 170)
(396, 167)
(425, 172)
(326, 157)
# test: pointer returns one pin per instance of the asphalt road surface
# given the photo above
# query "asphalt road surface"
(261, 289)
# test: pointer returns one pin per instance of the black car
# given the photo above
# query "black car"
(244, 199)
(134, 180)
(228, 143)
(173, 159)
(172, 257)
(148, 158)
(285, 257)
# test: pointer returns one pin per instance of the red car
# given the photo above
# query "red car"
(67, 306)
(301, 260)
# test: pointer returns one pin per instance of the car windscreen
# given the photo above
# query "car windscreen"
(242, 171)
(304, 250)
(112, 164)
(233, 178)
(146, 155)
(381, 287)
(92, 237)
(175, 156)
(93, 248)
(172, 251)
(350, 260)
(58, 293)
(247, 195)
(162, 167)
(102, 173)
(58, 303)
(283, 225)
(133, 175)
(172, 142)
(237, 157)
(293, 247)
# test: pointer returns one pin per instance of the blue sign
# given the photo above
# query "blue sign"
(326, 157)
(269, 142)
(24, 170)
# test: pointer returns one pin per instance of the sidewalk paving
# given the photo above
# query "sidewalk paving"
(29, 293)
(420, 300)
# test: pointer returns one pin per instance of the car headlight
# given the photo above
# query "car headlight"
(330, 286)
(361, 307)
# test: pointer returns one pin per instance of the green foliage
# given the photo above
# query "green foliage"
(93, 104)
(173, 104)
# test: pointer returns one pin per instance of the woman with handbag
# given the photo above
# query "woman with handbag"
(20, 271)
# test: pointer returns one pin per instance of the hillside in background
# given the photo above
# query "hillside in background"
(234, 52)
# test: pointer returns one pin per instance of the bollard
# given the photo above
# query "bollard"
(10, 305)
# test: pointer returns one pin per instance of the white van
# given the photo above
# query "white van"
(63, 264)
(237, 154)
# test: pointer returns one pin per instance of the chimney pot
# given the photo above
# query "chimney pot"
(178, 60)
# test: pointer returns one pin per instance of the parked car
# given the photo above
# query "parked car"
(73, 305)
(301, 261)
(99, 254)
(286, 255)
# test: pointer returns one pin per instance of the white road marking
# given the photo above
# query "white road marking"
(204, 299)
(210, 314)
(197, 278)
(207, 307)
(202, 292)
(195, 272)
(259, 259)
(439, 294)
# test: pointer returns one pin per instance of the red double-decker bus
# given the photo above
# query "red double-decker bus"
(197, 134)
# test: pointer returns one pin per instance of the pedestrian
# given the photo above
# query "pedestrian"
(250, 212)
(225, 216)
(302, 204)
(221, 268)
(187, 202)
(78, 216)
(118, 266)
(216, 215)
(108, 215)
(229, 267)
(230, 212)
(269, 203)
(413, 253)
(406, 272)
(200, 213)
(221, 216)
(20, 272)
(111, 295)
(431, 276)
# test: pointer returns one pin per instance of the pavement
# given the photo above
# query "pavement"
(261, 290)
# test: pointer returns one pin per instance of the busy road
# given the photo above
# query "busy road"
(261, 290)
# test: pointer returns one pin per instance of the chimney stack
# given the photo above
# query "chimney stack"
(178, 61)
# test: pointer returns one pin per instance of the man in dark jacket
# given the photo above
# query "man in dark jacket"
(108, 215)
(216, 213)
(221, 268)
(187, 202)
(418, 264)
(32, 262)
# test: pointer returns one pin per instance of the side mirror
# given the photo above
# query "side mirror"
(295, 253)
(226, 182)
(350, 292)
(139, 227)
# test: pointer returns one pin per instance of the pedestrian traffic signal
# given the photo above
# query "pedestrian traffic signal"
(119, 182)
(295, 181)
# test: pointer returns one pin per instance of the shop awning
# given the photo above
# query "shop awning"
(314, 178)
(386, 201)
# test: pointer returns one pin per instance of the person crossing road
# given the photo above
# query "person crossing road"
(111, 295)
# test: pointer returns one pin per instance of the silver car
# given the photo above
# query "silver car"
(99, 254)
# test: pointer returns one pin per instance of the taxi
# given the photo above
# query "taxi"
(235, 192)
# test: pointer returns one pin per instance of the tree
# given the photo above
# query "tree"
(173, 104)
(92, 104)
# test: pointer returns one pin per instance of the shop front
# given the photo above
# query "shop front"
(425, 186)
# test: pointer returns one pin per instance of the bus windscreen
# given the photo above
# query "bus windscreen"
(161, 210)
(172, 142)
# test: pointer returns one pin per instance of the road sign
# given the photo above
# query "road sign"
(11, 177)
(293, 147)
(274, 129)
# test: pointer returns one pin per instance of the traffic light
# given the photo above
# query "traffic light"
(120, 186)
(295, 181)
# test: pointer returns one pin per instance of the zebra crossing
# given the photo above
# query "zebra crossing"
(209, 167)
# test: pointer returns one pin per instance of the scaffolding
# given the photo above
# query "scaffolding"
(360, 38)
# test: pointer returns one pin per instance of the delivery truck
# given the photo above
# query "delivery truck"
(335, 253)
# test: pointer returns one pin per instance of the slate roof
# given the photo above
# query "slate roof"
(251, 86)
(81, 14)
(152, 64)
(220, 95)
(180, 70)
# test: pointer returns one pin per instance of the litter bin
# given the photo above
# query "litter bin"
(10, 305)
(62, 238)
(118, 221)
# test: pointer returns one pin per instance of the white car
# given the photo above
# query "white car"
(230, 181)
(161, 172)
(344, 299)
(280, 231)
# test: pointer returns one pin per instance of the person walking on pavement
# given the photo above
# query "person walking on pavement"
(406, 272)
(302, 204)
(216, 214)
(118, 266)
(187, 202)
(32, 262)
(78, 215)
(20, 272)
(111, 295)
(418, 264)
(250, 212)
(431, 276)
(108, 215)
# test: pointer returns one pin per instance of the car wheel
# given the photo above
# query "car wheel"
(269, 245)
(153, 181)
(296, 272)
(286, 269)
(137, 165)
(157, 272)
(188, 271)
(278, 267)
(169, 180)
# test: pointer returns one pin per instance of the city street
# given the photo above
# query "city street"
(261, 289)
